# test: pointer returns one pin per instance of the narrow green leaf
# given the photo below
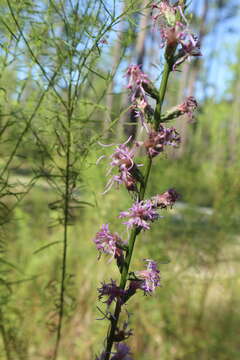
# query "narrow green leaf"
(15, 267)
(46, 246)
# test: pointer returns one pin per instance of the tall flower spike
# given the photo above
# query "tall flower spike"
(180, 44)
(140, 215)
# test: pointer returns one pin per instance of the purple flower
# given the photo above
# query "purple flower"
(164, 17)
(106, 242)
(150, 277)
(158, 139)
(141, 110)
(188, 106)
(190, 43)
(125, 178)
(112, 291)
(122, 353)
(164, 13)
(166, 199)
(140, 214)
(190, 46)
(122, 157)
(137, 79)
(174, 32)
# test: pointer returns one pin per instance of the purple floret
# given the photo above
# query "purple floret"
(122, 159)
(137, 79)
(123, 352)
(157, 140)
(165, 200)
(112, 291)
(106, 242)
(122, 156)
(150, 277)
(188, 106)
(140, 214)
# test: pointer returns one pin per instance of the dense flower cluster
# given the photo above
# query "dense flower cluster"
(188, 106)
(137, 80)
(112, 291)
(174, 30)
(147, 280)
(164, 18)
(150, 277)
(190, 46)
(122, 159)
(167, 199)
(157, 140)
(140, 215)
(107, 242)
(141, 110)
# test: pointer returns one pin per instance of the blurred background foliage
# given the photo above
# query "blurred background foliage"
(62, 90)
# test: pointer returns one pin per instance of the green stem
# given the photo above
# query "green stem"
(135, 231)
(162, 92)
(148, 169)
(67, 194)
(6, 342)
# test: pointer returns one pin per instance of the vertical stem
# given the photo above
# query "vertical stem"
(64, 255)
(5, 337)
(162, 92)
(147, 173)
(65, 236)
(65, 212)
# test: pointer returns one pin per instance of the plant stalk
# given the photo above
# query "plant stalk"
(5, 339)
(143, 187)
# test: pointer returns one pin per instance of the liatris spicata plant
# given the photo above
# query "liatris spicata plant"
(180, 44)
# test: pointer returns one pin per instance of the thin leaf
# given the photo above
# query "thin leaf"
(15, 267)
(46, 246)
